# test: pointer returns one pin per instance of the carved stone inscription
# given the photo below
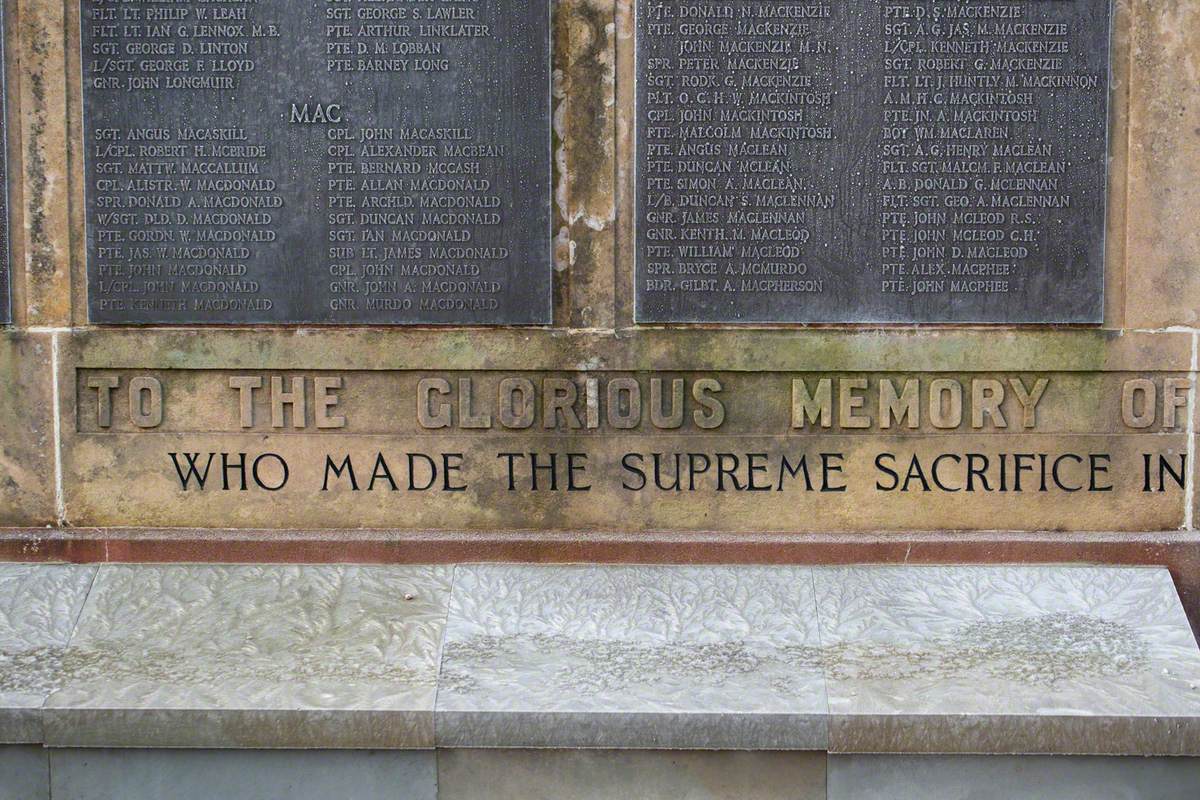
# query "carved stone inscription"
(340, 161)
(643, 450)
(871, 160)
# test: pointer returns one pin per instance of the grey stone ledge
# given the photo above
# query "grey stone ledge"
(1008, 660)
(39, 606)
(638, 657)
(253, 657)
(902, 660)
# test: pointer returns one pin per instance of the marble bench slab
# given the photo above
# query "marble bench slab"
(905, 660)
(1008, 660)
(253, 657)
(632, 657)
(39, 605)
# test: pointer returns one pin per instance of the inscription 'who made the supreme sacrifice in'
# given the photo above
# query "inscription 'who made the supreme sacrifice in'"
(300, 161)
(871, 160)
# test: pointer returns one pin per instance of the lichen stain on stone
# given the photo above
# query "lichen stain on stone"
(1168, 60)
(1044, 650)
(172, 667)
(584, 40)
(42, 264)
(34, 671)
(584, 162)
(598, 666)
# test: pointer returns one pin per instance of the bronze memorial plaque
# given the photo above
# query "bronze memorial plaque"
(864, 161)
(318, 162)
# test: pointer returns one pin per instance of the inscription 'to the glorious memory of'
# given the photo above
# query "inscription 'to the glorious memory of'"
(871, 160)
(296, 161)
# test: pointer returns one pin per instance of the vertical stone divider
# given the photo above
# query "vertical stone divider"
(1164, 166)
(585, 160)
(44, 233)
(626, 158)
(27, 429)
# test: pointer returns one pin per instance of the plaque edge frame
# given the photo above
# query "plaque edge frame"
(7, 300)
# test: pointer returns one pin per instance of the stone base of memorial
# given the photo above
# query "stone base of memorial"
(591, 681)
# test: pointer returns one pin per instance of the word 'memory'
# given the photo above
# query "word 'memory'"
(943, 401)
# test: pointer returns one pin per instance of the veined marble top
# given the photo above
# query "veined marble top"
(869, 659)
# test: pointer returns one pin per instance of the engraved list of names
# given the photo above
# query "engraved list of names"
(871, 160)
(317, 161)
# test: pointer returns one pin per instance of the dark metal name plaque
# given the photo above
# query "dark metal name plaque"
(871, 160)
(304, 161)
(5, 256)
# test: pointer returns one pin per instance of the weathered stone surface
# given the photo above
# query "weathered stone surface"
(242, 775)
(621, 774)
(379, 377)
(44, 228)
(26, 430)
(867, 777)
(1008, 660)
(1163, 258)
(245, 656)
(584, 127)
(919, 660)
(808, 350)
(619, 498)
(631, 657)
(39, 605)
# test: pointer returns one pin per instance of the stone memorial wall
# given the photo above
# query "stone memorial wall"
(601, 279)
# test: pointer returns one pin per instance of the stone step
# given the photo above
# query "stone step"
(31, 772)
(733, 676)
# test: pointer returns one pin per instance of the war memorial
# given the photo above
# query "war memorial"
(440, 399)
